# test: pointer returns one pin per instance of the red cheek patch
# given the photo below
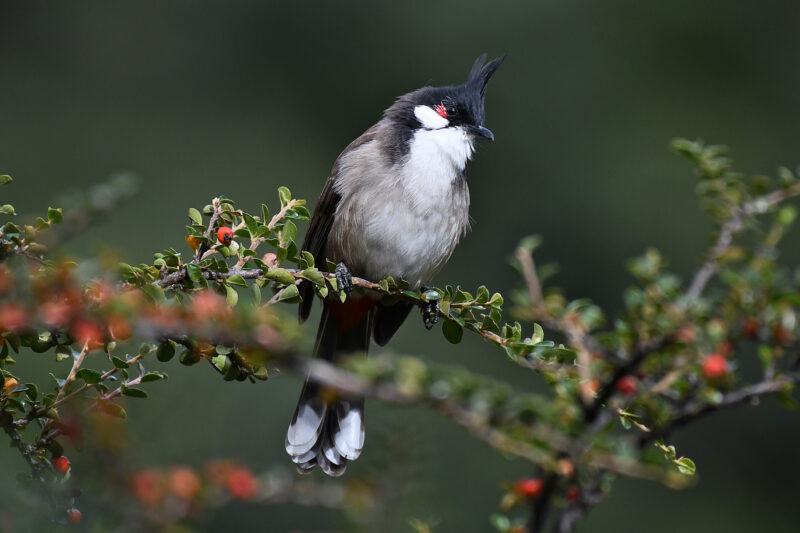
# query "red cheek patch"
(441, 110)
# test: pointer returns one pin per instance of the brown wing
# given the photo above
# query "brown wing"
(317, 238)
(321, 221)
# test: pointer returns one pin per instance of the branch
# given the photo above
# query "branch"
(697, 411)
(728, 231)
(576, 334)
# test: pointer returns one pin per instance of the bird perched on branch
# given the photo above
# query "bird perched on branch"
(395, 204)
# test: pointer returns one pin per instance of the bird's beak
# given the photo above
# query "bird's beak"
(482, 131)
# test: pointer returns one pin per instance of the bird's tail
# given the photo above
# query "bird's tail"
(327, 429)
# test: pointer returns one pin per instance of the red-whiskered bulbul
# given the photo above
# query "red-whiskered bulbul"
(395, 204)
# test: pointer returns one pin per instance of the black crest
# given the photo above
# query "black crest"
(464, 104)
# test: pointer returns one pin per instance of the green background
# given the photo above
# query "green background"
(236, 98)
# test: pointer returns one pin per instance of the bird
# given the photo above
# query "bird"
(396, 203)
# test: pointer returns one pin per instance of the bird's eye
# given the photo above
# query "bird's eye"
(442, 110)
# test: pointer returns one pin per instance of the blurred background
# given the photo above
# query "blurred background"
(238, 97)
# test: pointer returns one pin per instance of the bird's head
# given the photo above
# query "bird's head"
(455, 106)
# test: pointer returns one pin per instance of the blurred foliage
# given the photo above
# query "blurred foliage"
(200, 100)
(616, 392)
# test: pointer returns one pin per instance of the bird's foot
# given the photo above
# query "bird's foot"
(344, 279)
(430, 308)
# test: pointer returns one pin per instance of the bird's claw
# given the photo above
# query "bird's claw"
(430, 309)
(344, 279)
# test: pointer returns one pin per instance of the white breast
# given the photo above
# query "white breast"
(436, 158)
(419, 227)
(403, 220)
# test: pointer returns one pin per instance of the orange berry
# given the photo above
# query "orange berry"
(193, 242)
(714, 366)
(61, 464)
(183, 482)
(9, 385)
(529, 488)
(225, 235)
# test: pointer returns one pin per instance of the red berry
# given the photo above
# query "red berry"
(714, 366)
(13, 317)
(529, 488)
(573, 494)
(87, 333)
(750, 327)
(241, 483)
(61, 464)
(627, 385)
(225, 235)
(74, 516)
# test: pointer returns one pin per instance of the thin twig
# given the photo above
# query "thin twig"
(576, 334)
(728, 231)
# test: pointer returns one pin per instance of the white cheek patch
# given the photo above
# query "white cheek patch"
(430, 119)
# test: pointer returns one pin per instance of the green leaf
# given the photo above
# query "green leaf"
(133, 392)
(685, 466)
(222, 362)
(54, 215)
(195, 215)
(482, 296)
(313, 275)
(195, 273)
(92, 377)
(285, 195)
(153, 376)
(166, 351)
(453, 332)
(288, 233)
(496, 300)
(237, 280)
(189, 357)
(538, 334)
(154, 292)
(289, 294)
(231, 296)
(119, 363)
(7, 209)
(5, 179)
(281, 275)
